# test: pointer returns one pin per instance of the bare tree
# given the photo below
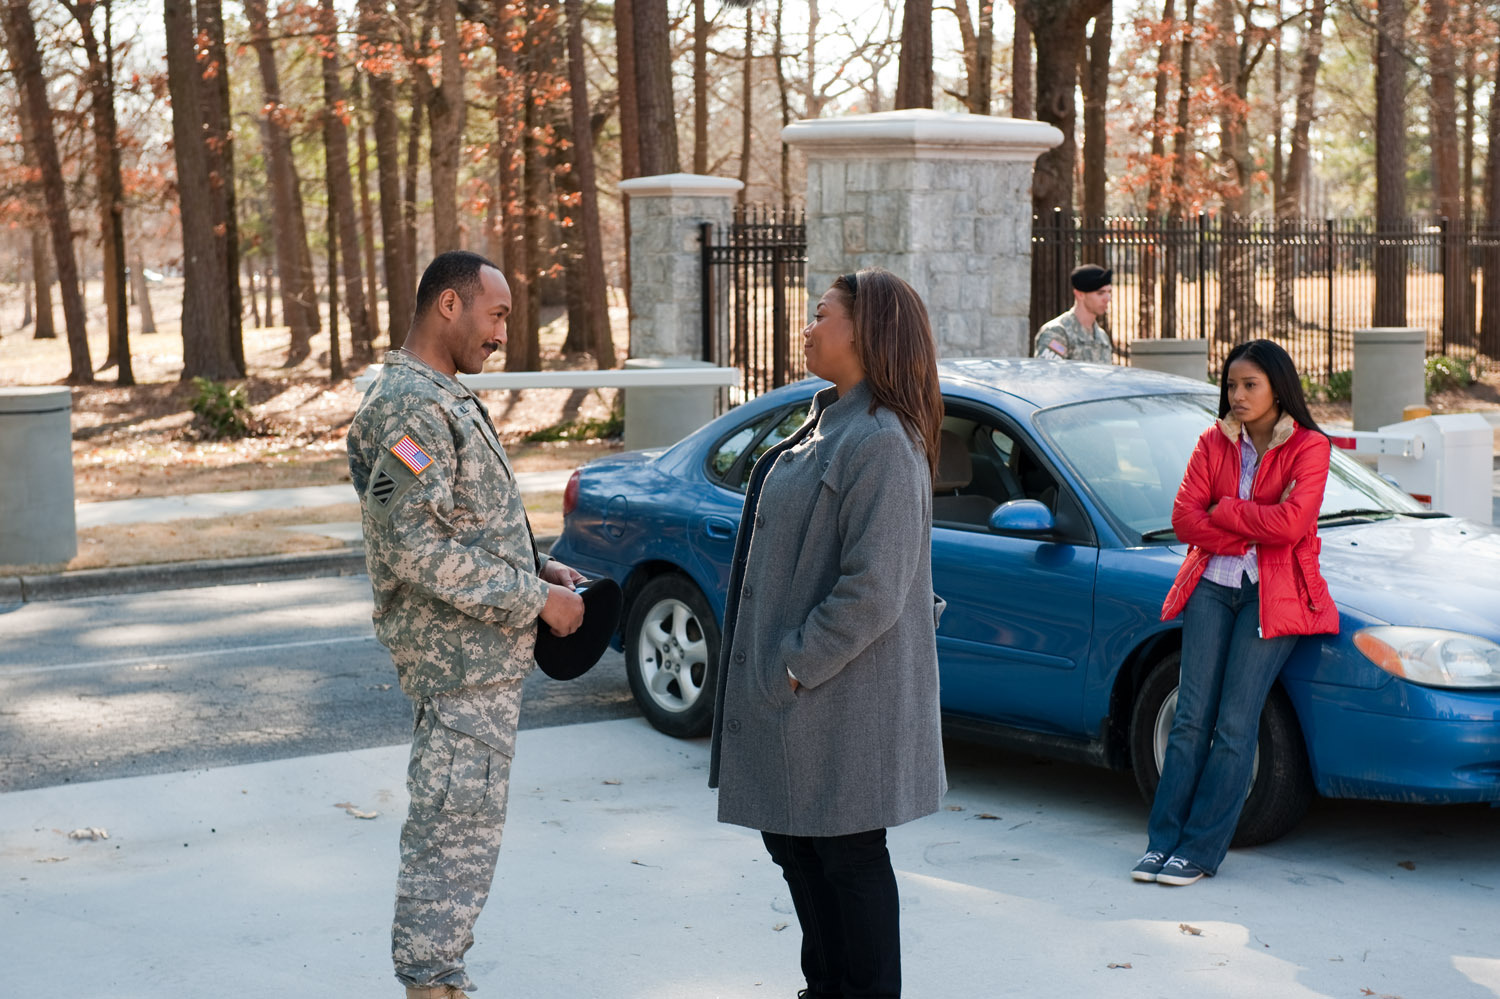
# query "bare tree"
(914, 69)
(362, 184)
(1022, 72)
(26, 62)
(1095, 99)
(299, 304)
(1489, 329)
(205, 300)
(700, 82)
(108, 180)
(41, 280)
(1146, 320)
(979, 54)
(1291, 183)
(1177, 208)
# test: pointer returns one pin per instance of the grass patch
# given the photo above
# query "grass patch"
(608, 428)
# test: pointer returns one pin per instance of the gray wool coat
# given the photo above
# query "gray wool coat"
(832, 581)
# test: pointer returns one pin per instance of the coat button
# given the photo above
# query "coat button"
(747, 591)
(760, 520)
(739, 657)
(732, 726)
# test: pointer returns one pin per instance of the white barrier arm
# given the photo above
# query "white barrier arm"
(623, 378)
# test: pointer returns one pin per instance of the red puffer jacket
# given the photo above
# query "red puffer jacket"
(1294, 598)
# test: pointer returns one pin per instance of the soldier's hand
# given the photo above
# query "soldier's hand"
(563, 611)
(555, 572)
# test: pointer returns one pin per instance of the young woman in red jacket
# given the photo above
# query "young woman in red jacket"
(1249, 587)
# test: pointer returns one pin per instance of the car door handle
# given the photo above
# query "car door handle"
(719, 528)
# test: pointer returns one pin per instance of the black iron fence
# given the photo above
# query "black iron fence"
(755, 297)
(1308, 283)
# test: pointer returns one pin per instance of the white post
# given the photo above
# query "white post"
(942, 200)
(1187, 357)
(37, 524)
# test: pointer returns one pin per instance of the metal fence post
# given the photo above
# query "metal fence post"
(1328, 237)
(1202, 270)
(706, 286)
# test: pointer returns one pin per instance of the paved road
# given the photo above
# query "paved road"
(156, 682)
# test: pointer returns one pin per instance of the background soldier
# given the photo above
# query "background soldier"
(459, 587)
(1076, 335)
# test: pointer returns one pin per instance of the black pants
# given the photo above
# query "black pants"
(844, 891)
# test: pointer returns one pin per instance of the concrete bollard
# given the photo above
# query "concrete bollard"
(1187, 357)
(1388, 374)
(658, 416)
(37, 526)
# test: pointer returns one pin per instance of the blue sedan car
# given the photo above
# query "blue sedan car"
(1052, 544)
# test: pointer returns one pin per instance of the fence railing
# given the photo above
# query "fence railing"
(1308, 283)
(755, 297)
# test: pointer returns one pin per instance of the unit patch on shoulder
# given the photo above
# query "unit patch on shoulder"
(411, 455)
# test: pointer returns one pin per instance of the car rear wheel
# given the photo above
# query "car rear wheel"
(1282, 786)
(671, 655)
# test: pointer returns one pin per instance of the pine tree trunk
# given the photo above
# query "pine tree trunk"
(914, 67)
(400, 278)
(594, 288)
(510, 168)
(421, 89)
(1146, 319)
(1180, 152)
(630, 142)
(1290, 205)
(205, 301)
(700, 81)
(142, 294)
(41, 278)
(341, 189)
(1390, 164)
(656, 121)
(1458, 327)
(26, 63)
(1022, 72)
(299, 304)
(214, 93)
(747, 103)
(366, 213)
(446, 119)
(1095, 99)
(1489, 329)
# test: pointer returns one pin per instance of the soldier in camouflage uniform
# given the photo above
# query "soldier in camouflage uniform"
(1076, 335)
(459, 588)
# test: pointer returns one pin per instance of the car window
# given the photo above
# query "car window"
(731, 462)
(1131, 455)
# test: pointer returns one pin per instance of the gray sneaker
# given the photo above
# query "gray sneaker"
(1180, 871)
(1149, 866)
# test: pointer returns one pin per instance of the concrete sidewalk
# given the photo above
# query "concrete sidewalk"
(616, 882)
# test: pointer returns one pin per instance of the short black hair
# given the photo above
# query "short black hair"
(1281, 375)
(456, 269)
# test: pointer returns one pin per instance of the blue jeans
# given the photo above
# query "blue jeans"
(1227, 671)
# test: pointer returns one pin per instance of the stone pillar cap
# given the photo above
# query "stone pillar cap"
(923, 131)
(34, 399)
(684, 185)
(1391, 334)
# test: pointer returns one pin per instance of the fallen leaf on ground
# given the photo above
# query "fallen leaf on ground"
(955, 808)
(50, 860)
(1410, 865)
(1122, 966)
(1190, 930)
(779, 927)
(1378, 995)
(355, 810)
(986, 815)
(90, 833)
(611, 782)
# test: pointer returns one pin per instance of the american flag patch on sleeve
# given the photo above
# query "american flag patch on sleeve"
(411, 455)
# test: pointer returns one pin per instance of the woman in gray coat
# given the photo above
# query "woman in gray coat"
(826, 728)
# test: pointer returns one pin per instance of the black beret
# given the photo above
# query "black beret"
(1091, 277)
(573, 656)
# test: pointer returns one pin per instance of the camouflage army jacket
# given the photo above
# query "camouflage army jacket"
(1064, 338)
(449, 549)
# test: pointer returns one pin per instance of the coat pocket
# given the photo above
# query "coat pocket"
(1311, 589)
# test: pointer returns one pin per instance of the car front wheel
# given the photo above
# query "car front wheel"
(671, 654)
(1282, 786)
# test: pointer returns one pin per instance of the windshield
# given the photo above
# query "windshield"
(1130, 454)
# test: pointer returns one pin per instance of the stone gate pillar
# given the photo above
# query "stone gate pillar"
(666, 298)
(941, 199)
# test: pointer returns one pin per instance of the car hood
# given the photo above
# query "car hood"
(1439, 573)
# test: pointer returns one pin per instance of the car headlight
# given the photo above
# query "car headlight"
(1432, 656)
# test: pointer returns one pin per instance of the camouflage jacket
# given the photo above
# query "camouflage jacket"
(1064, 338)
(450, 552)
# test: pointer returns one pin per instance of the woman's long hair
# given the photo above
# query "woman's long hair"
(1281, 374)
(893, 339)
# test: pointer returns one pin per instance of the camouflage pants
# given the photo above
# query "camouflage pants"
(451, 839)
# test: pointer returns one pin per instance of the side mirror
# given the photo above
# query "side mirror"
(1026, 517)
